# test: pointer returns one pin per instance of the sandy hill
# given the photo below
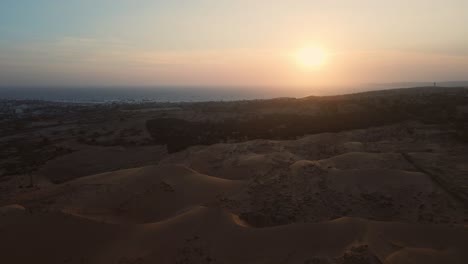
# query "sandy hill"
(362, 196)
(210, 235)
(138, 195)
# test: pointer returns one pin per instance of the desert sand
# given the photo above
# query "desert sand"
(359, 196)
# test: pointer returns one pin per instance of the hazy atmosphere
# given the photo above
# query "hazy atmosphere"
(233, 132)
(231, 43)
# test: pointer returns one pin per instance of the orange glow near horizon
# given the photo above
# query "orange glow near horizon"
(232, 43)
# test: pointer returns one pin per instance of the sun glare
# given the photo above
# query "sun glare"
(310, 57)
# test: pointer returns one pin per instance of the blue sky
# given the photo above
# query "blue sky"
(142, 42)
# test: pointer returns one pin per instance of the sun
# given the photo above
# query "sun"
(310, 57)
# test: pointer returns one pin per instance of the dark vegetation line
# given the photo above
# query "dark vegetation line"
(178, 134)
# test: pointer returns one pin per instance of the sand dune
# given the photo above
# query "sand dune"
(235, 161)
(359, 173)
(379, 146)
(367, 160)
(89, 160)
(210, 235)
(349, 197)
(137, 195)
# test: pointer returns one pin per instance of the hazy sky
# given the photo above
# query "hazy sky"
(230, 42)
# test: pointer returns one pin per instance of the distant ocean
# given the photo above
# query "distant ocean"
(132, 94)
(188, 94)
